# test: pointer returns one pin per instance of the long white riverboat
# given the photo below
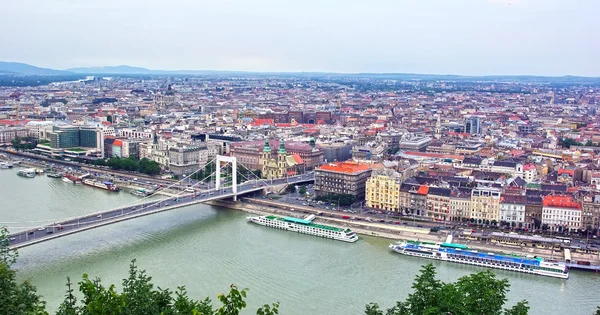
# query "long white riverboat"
(463, 255)
(306, 226)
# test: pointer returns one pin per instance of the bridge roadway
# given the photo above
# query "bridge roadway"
(94, 220)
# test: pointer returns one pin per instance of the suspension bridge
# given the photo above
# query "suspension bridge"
(226, 186)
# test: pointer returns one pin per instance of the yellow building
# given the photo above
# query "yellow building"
(382, 190)
(278, 165)
(485, 204)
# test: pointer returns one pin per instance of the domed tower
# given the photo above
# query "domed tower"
(313, 144)
(266, 155)
(281, 162)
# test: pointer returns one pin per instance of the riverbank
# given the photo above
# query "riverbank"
(395, 233)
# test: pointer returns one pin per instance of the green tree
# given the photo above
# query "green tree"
(291, 189)
(480, 293)
(302, 190)
(149, 167)
(15, 298)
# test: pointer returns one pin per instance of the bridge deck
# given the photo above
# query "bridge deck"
(78, 224)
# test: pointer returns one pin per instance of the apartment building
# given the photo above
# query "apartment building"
(512, 210)
(590, 213)
(561, 213)
(485, 204)
(342, 178)
(460, 204)
(383, 190)
(438, 203)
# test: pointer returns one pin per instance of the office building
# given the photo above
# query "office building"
(342, 178)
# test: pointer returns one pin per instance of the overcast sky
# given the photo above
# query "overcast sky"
(541, 37)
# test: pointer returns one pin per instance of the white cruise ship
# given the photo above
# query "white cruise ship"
(306, 226)
(463, 255)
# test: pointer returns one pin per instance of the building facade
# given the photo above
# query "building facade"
(438, 204)
(590, 213)
(383, 190)
(250, 153)
(184, 159)
(512, 210)
(8, 134)
(485, 204)
(342, 178)
(561, 213)
(280, 165)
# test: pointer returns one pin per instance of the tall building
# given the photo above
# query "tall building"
(512, 210)
(88, 137)
(383, 190)
(438, 203)
(438, 128)
(342, 178)
(473, 125)
(62, 137)
(485, 204)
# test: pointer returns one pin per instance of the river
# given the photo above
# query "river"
(207, 248)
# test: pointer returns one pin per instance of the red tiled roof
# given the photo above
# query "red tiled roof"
(12, 122)
(297, 158)
(345, 167)
(423, 190)
(561, 202)
(563, 171)
(259, 122)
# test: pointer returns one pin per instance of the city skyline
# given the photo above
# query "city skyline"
(492, 37)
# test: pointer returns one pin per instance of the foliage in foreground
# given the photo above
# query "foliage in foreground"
(138, 297)
(479, 293)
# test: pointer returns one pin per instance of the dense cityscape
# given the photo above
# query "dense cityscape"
(507, 154)
(502, 165)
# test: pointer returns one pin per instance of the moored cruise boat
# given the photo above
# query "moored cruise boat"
(28, 172)
(464, 255)
(103, 185)
(5, 165)
(140, 192)
(54, 175)
(306, 226)
(68, 178)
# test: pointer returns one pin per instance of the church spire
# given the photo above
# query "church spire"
(281, 147)
(267, 147)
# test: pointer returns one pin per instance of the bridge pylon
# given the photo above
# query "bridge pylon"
(233, 161)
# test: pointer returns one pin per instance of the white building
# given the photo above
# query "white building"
(512, 210)
(561, 213)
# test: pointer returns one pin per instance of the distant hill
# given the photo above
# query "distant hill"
(23, 68)
(112, 70)
(12, 69)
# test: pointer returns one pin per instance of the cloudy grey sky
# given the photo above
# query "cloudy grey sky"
(542, 37)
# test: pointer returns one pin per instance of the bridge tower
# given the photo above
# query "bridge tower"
(233, 161)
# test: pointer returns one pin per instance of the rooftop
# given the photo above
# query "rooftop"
(345, 167)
